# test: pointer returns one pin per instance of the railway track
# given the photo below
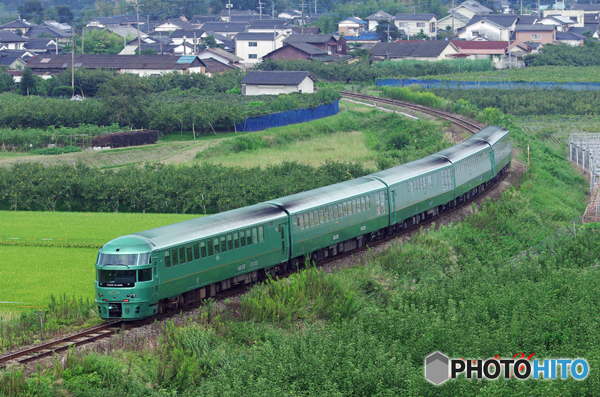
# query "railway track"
(108, 329)
(454, 119)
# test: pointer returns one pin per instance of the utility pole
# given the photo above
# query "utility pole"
(509, 53)
(273, 10)
(260, 7)
(195, 42)
(82, 39)
(453, 17)
(184, 46)
(73, 63)
(521, 7)
(315, 6)
(160, 41)
(137, 12)
(228, 6)
(539, 11)
(302, 4)
(388, 38)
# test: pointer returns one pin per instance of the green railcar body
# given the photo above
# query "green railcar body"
(145, 273)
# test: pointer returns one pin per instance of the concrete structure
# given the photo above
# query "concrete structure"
(275, 83)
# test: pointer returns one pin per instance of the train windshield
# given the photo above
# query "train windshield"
(118, 259)
(116, 278)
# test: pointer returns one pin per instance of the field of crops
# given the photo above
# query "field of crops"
(558, 74)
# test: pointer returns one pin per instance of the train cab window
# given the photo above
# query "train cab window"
(354, 206)
(167, 259)
(242, 239)
(331, 212)
(254, 235)
(248, 237)
(229, 242)
(181, 255)
(312, 218)
(175, 257)
(326, 215)
(203, 249)
(261, 234)
(217, 246)
(196, 251)
(316, 217)
(145, 259)
(236, 240)
(306, 223)
(145, 275)
(321, 218)
(188, 251)
(301, 221)
(223, 244)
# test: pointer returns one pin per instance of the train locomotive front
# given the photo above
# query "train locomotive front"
(125, 279)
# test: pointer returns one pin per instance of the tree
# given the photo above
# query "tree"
(28, 82)
(101, 42)
(6, 81)
(382, 29)
(210, 42)
(32, 10)
(420, 36)
(126, 95)
(65, 15)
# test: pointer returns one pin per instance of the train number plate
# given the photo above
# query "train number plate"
(336, 236)
(363, 228)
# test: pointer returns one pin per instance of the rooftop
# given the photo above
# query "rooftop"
(414, 17)
(275, 78)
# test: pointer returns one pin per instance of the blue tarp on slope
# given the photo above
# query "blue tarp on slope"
(287, 117)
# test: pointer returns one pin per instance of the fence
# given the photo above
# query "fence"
(287, 117)
(584, 151)
(501, 85)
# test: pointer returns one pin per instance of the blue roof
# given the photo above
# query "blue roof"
(363, 36)
(360, 22)
(186, 59)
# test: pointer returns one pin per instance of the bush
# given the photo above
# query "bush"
(62, 91)
(130, 138)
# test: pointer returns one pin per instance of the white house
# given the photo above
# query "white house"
(374, 19)
(11, 41)
(275, 83)
(412, 24)
(492, 27)
(251, 47)
(353, 26)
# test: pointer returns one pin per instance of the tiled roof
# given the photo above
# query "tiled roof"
(480, 45)
(7, 58)
(527, 19)
(422, 49)
(475, 7)
(457, 15)
(18, 23)
(267, 23)
(255, 36)
(274, 78)
(308, 38)
(314, 30)
(379, 16)
(214, 66)
(363, 36)
(308, 48)
(7, 36)
(39, 44)
(233, 27)
(505, 20)
(189, 34)
(200, 19)
(584, 7)
(36, 31)
(535, 28)
(163, 62)
(224, 54)
(414, 17)
(569, 36)
(116, 20)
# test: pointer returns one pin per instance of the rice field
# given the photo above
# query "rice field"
(30, 274)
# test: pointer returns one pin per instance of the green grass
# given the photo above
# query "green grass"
(341, 146)
(560, 74)
(77, 227)
(31, 274)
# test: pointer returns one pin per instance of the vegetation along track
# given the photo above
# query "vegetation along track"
(107, 329)
(454, 119)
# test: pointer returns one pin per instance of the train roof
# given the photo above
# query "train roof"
(463, 150)
(326, 195)
(491, 134)
(410, 170)
(202, 227)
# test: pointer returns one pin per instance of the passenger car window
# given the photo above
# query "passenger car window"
(312, 218)
(254, 233)
(326, 215)
(261, 234)
(362, 203)
(354, 206)
(243, 238)
(248, 237)
(203, 249)
(167, 259)
(301, 221)
(217, 246)
(345, 208)
(229, 242)
(331, 212)
(175, 257)
(223, 244)
(368, 201)
(196, 251)
(236, 240)
(321, 219)
(189, 254)
(306, 223)
(181, 255)
(316, 217)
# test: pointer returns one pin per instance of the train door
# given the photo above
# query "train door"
(393, 207)
(283, 232)
(156, 278)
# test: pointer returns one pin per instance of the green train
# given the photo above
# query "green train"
(162, 269)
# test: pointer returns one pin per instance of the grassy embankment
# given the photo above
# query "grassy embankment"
(558, 74)
(366, 330)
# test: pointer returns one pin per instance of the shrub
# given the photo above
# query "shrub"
(130, 138)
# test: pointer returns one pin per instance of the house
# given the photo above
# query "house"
(568, 16)
(561, 23)
(411, 24)
(11, 41)
(587, 8)
(222, 56)
(306, 29)
(353, 26)
(535, 33)
(370, 39)
(275, 83)
(374, 19)
(12, 59)
(328, 42)
(224, 15)
(279, 26)
(252, 47)
(40, 46)
(174, 24)
(46, 31)
(498, 51)
(18, 25)
(189, 36)
(142, 65)
(114, 21)
(227, 29)
(58, 26)
(571, 38)
(458, 20)
(296, 51)
(489, 26)
(419, 50)
(290, 14)
(470, 8)
(199, 20)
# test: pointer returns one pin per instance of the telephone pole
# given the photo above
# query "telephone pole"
(228, 6)
(302, 16)
(453, 17)
(137, 12)
(273, 10)
(260, 7)
(315, 6)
